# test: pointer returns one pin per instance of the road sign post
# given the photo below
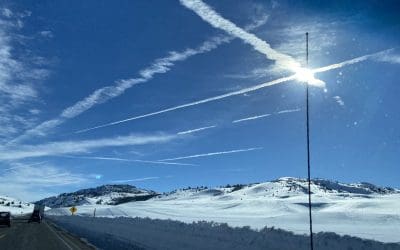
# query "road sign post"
(73, 210)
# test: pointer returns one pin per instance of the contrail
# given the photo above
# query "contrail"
(138, 179)
(82, 146)
(217, 21)
(288, 111)
(24, 166)
(102, 95)
(282, 60)
(351, 61)
(195, 130)
(238, 92)
(126, 160)
(265, 115)
(211, 154)
(251, 118)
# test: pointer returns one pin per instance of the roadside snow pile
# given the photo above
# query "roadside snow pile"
(106, 194)
(145, 233)
(15, 206)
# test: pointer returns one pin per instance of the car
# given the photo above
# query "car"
(5, 218)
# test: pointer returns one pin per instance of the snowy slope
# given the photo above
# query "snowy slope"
(362, 210)
(106, 194)
(15, 206)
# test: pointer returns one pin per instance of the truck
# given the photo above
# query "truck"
(37, 214)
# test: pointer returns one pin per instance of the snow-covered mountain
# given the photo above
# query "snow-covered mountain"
(360, 209)
(14, 206)
(281, 188)
(102, 195)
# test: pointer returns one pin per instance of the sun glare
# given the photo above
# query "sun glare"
(306, 75)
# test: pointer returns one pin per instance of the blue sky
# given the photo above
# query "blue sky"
(68, 68)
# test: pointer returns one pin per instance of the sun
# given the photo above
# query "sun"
(307, 75)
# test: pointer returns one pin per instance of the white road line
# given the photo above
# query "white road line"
(2, 236)
(67, 237)
(58, 236)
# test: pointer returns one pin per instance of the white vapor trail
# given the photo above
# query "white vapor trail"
(238, 92)
(79, 146)
(288, 111)
(376, 55)
(251, 118)
(195, 130)
(125, 160)
(102, 95)
(212, 154)
(19, 165)
(138, 179)
(265, 115)
(217, 21)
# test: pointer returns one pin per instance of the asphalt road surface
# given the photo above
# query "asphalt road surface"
(43, 236)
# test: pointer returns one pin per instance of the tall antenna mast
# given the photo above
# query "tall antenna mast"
(308, 154)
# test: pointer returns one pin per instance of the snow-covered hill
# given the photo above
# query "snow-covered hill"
(106, 194)
(15, 206)
(284, 187)
(362, 209)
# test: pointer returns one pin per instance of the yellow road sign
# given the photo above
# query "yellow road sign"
(73, 210)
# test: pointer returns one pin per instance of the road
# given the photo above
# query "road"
(43, 236)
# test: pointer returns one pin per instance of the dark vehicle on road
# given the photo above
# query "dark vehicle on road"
(5, 218)
(37, 214)
(35, 217)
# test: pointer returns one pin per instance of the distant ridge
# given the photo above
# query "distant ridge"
(102, 195)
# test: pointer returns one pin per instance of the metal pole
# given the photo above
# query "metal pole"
(308, 156)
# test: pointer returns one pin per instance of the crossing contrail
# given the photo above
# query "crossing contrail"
(238, 92)
(217, 21)
(158, 66)
(282, 60)
(212, 154)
